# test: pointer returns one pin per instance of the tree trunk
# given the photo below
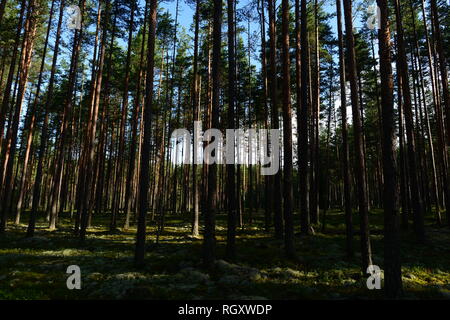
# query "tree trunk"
(11, 140)
(416, 195)
(32, 120)
(278, 219)
(44, 134)
(303, 123)
(366, 253)
(231, 175)
(145, 153)
(209, 242)
(392, 266)
(287, 128)
(345, 148)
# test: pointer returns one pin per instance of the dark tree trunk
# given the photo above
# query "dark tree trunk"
(287, 128)
(392, 266)
(277, 213)
(121, 157)
(209, 242)
(416, 195)
(145, 153)
(345, 148)
(231, 175)
(196, 117)
(303, 123)
(444, 80)
(11, 139)
(134, 125)
(32, 120)
(44, 134)
(360, 172)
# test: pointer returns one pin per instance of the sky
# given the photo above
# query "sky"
(186, 14)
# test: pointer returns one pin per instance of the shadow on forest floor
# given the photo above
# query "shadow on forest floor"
(36, 268)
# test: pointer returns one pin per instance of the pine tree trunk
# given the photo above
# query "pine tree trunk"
(303, 123)
(209, 242)
(277, 211)
(392, 266)
(145, 154)
(366, 253)
(231, 175)
(134, 125)
(345, 147)
(32, 120)
(11, 140)
(287, 128)
(44, 134)
(6, 105)
(416, 195)
(120, 157)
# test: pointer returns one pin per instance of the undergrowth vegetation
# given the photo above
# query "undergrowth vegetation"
(35, 268)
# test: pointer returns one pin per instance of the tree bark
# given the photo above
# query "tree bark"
(277, 213)
(392, 266)
(145, 153)
(345, 148)
(416, 195)
(366, 252)
(287, 128)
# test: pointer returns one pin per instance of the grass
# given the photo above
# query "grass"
(36, 268)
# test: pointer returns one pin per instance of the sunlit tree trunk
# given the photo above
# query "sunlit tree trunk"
(32, 120)
(44, 134)
(11, 138)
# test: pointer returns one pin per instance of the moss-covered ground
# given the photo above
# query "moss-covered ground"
(36, 268)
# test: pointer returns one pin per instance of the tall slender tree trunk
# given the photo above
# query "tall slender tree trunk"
(360, 172)
(345, 148)
(277, 213)
(120, 157)
(303, 123)
(44, 133)
(134, 125)
(11, 139)
(32, 120)
(209, 242)
(59, 165)
(89, 148)
(444, 80)
(287, 128)
(231, 175)
(416, 195)
(404, 186)
(145, 153)
(196, 117)
(442, 146)
(267, 179)
(9, 81)
(315, 114)
(392, 266)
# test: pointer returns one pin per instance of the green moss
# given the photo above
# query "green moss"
(36, 268)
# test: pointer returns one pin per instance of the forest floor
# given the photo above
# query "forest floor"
(36, 268)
